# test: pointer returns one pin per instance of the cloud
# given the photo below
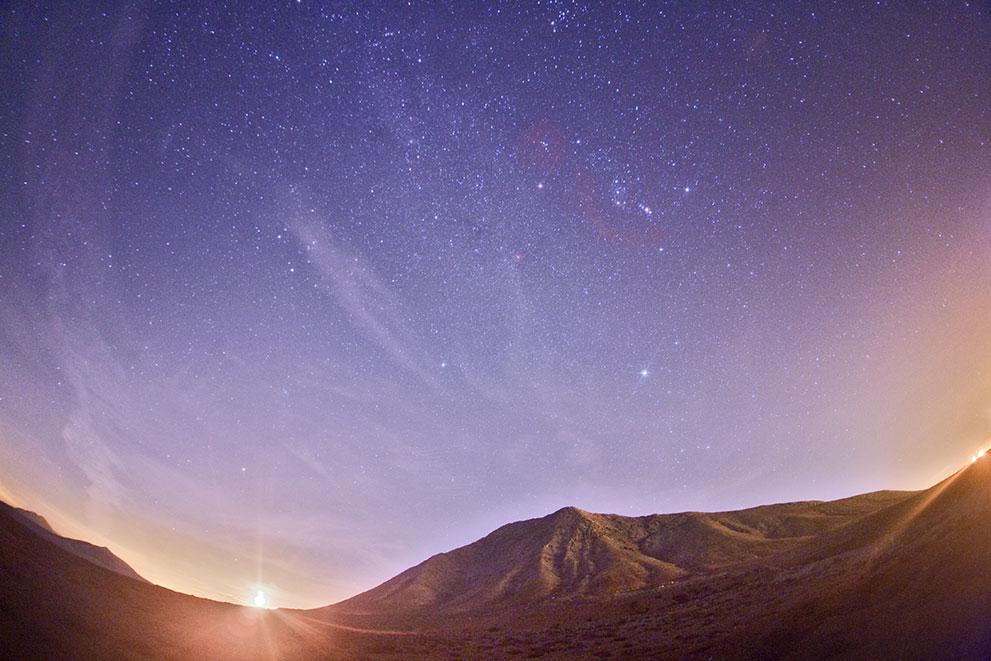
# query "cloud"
(372, 306)
(97, 461)
(86, 363)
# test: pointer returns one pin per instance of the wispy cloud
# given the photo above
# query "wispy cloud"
(87, 365)
(372, 306)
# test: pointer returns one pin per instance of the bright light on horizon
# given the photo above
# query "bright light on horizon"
(259, 600)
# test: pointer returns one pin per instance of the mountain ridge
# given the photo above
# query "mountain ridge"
(98, 555)
(881, 575)
(573, 553)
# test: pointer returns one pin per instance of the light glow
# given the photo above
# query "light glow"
(259, 600)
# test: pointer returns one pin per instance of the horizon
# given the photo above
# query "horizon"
(251, 599)
(295, 297)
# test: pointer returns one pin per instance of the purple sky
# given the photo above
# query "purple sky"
(293, 296)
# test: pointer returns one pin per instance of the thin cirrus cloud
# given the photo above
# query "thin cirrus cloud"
(371, 306)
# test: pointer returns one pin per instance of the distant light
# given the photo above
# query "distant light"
(644, 373)
(259, 600)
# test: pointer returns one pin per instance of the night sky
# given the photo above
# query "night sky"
(295, 295)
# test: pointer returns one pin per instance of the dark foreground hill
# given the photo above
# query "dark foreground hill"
(57, 605)
(885, 575)
(98, 555)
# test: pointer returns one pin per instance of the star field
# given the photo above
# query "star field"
(293, 295)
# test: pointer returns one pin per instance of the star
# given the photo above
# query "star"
(330, 205)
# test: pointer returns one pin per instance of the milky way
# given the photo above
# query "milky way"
(293, 296)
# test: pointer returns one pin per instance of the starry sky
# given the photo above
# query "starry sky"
(294, 295)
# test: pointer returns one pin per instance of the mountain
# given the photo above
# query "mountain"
(883, 575)
(574, 554)
(922, 587)
(900, 574)
(98, 555)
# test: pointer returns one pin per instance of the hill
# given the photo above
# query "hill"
(98, 555)
(574, 554)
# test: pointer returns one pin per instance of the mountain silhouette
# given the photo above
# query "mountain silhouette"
(98, 555)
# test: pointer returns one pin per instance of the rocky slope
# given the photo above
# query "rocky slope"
(576, 554)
